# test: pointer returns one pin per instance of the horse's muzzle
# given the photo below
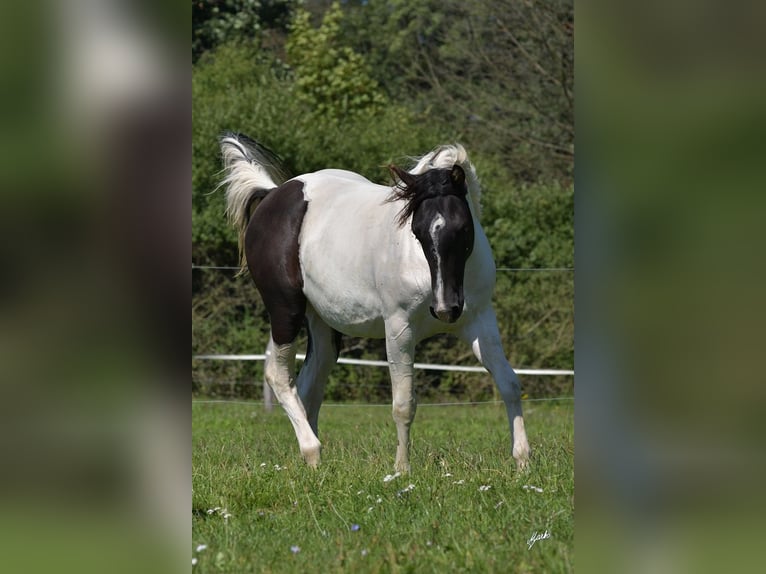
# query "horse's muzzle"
(447, 315)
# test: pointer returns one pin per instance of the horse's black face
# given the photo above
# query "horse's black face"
(444, 226)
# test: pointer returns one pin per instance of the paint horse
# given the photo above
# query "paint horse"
(343, 255)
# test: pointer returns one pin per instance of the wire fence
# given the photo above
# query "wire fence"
(504, 269)
(257, 403)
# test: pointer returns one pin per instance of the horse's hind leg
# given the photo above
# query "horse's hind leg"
(322, 353)
(279, 372)
(271, 245)
(484, 338)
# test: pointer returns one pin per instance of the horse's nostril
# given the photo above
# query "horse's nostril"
(448, 315)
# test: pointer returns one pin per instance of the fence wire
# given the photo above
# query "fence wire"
(450, 404)
(504, 269)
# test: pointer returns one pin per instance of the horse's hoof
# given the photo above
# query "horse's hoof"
(311, 456)
(522, 460)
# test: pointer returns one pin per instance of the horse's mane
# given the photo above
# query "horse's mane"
(445, 156)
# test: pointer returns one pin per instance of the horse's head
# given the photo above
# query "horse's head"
(443, 224)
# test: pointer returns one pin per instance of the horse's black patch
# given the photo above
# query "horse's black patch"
(271, 249)
(446, 250)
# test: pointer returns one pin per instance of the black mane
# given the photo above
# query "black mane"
(414, 189)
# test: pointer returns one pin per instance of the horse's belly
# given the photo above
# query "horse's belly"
(345, 309)
(339, 284)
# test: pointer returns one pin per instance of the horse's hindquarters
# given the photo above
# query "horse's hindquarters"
(271, 248)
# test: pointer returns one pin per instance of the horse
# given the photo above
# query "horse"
(345, 256)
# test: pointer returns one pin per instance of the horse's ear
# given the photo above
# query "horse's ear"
(458, 175)
(400, 175)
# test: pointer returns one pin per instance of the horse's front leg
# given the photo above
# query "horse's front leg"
(484, 337)
(400, 349)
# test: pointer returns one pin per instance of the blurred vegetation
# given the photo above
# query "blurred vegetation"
(361, 84)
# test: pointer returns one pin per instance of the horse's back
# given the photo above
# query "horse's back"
(339, 184)
(344, 205)
(330, 174)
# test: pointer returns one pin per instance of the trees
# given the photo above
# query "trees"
(215, 22)
(500, 72)
(331, 79)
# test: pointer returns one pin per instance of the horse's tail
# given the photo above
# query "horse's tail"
(252, 171)
(445, 156)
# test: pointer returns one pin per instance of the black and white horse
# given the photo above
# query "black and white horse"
(343, 255)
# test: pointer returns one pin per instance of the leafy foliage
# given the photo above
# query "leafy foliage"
(331, 79)
(215, 22)
(499, 71)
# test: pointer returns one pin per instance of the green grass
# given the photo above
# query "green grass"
(437, 526)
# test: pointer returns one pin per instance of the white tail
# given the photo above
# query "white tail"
(252, 170)
(446, 156)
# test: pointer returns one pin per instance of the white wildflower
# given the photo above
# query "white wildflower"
(220, 511)
(484, 487)
(390, 477)
(409, 488)
(201, 547)
(530, 487)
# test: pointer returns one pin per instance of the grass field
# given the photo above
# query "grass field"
(464, 508)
